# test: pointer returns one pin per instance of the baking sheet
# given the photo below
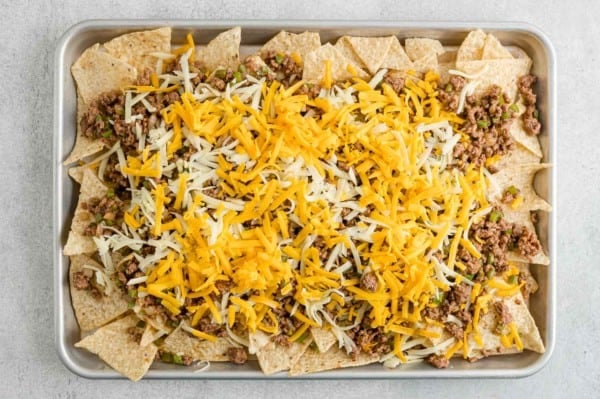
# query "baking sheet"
(254, 33)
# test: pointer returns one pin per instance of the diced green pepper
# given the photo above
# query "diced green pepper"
(512, 190)
(132, 293)
(237, 76)
(495, 216)
(513, 279)
(221, 73)
(514, 107)
(166, 357)
(279, 58)
(483, 124)
(177, 359)
(107, 133)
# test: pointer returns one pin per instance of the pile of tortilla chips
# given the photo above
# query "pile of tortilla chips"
(106, 321)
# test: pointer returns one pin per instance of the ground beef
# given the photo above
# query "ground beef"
(527, 242)
(310, 89)
(503, 316)
(106, 211)
(487, 123)
(438, 361)
(459, 293)
(433, 313)
(455, 330)
(224, 286)
(368, 282)
(198, 68)
(449, 94)
(530, 119)
(321, 246)
(372, 341)
(286, 69)
(187, 360)
(105, 118)
(221, 78)
(81, 280)
(135, 333)
(237, 355)
(395, 80)
(287, 324)
(464, 316)
(207, 326)
(281, 339)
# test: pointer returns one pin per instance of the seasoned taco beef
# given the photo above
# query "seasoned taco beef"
(311, 206)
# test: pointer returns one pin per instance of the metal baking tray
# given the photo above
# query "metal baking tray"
(254, 33)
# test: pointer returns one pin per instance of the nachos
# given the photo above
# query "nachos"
(309, 207)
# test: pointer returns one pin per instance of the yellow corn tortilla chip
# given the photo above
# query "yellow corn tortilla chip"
(77, 242)
(119, 350)
(84, 146)
(97, 72)
(531, 284)
(372, 51)
(76, 173)
(426, 64)
(313, 361)
(418, 48)
(223, 51)
(135, 48)
(504, 73)
(287, 43)
(493, 49)
(182, 343)
(323, 338)
(528, 331)
(344, 46)
(396, 58)
(518, 155)
(274, 358)
(314, 65)
(520, 176)
(93, 312)
(471, 48)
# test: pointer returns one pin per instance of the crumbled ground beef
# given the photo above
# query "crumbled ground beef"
(487, 123)
(286, 70)
(530, 119)
(107, 211)
(494, 237)
(281, 339)
(237, 355)
(368, 282)
(455, 330)
(438, 361)
(395, 80)
(309, 89)
(449, 94)
(207, 326)
(81, 280)
(372, 340)
(503, 316)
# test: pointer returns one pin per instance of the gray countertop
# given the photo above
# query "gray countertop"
(29, 365)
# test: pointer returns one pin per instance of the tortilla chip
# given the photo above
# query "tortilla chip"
(426, 64)
(372, 51)
(135, 48)
(115, 346)
(518, 155)
(335, 358)
(520, 177)
(150, 335)
(77, 242)
(397, 58)
(274, 358)
(76, 173)
(418, 48)
(223, 51)
(323, 338)
(504, 73)
(97, 72)
(528, 331)
(314, 65)
(93, 312)
(182, 343)
(344, 46)
(518, 133)
(287, 43)
(84, 146)
(472, 47)
(493, 49)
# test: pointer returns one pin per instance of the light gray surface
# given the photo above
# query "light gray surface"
(28, 363)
